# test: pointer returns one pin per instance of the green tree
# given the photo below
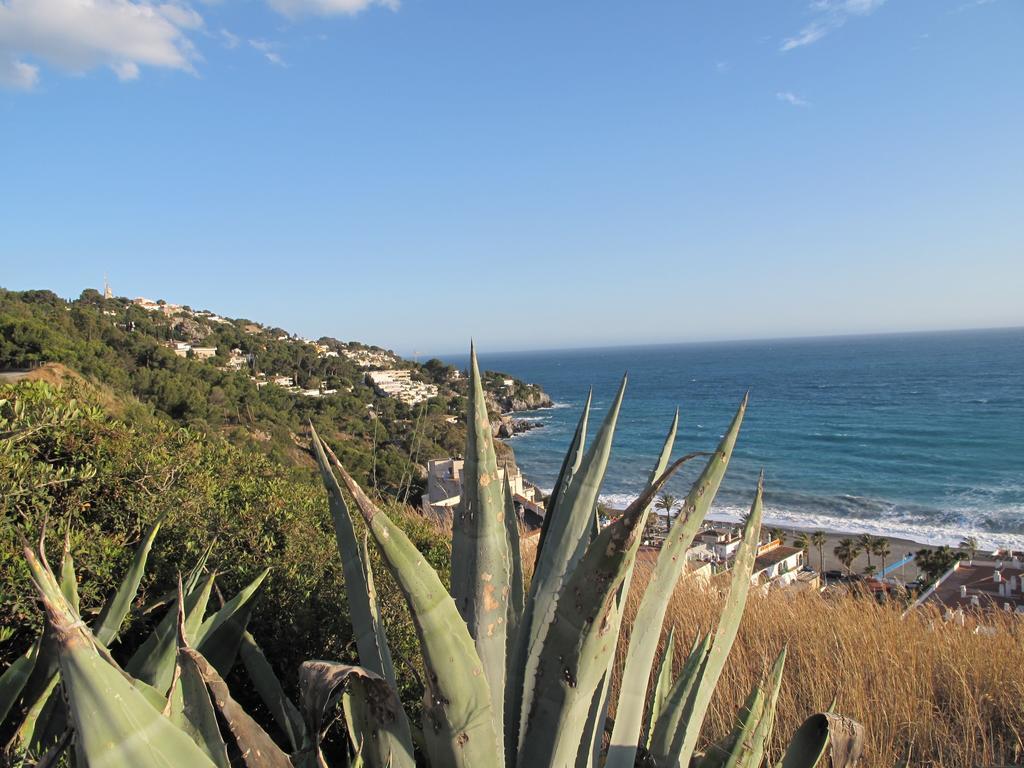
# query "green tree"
(933, 563)
(969, 545)
(846, 551)
(819, 540)
(865, 542)
(667, 503)
(778, 533)
(802, 541)
(881, 547)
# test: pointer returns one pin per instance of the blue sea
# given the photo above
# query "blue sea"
(919, 436)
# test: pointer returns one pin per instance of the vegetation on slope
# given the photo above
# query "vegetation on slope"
(125, 347)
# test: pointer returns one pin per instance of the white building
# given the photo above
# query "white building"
(399, 384)
(777, 565)
(444, 490)
(716, 545)
(180, 348)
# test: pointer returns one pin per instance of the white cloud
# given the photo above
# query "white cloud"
(830, 15)
(268, 49)
(230, 40)
(812, 33)
(126, 70)
(294, 8)
(791, 98)
(79, 35)
(17, 74)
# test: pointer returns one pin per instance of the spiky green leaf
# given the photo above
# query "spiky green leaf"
(580, 640)
(725, 635)
(458, 727)
(481, 567)
(646, 629)
(269, 687)
(570, 516)
(108, 623)
(114, 722)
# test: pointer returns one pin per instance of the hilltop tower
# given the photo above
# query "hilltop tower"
(107, 293)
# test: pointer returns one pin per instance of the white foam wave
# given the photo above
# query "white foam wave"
(915, 528)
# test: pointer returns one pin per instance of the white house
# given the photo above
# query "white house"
(776, 565)
(716, 544)
(444, 489)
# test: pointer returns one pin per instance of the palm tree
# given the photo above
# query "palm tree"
(667, 502)
(846, 552)
(970, 547)
(864, 543)
(802, 541)
(882, 549)
(778, 533)
(870, 571)
(819, 540)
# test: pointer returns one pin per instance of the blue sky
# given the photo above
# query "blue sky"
(534, 174)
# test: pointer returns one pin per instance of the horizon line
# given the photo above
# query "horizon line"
(744, 340)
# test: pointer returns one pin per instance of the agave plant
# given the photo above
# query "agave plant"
(516, 675)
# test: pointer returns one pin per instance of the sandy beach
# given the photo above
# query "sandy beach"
(900, 548)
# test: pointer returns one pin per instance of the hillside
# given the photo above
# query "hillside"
(256, 385)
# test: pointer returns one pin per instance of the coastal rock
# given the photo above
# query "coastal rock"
(505, 426)
(530, 401)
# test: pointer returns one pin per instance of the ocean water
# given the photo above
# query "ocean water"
(918, 436)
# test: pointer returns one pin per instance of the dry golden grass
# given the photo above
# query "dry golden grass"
(958, 695)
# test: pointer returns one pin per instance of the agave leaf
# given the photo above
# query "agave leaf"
(373, 654)
(825, 732)
(220, 635)
(589, 752)
(517, 595)
(580, 642)
(257, 748)
(458, 726)
(113, 721)
(514, 623)
(68, 580)
(597, 729)
(45, 719)
(728, 625)
(15, 676)
(520, 650)
(195, 575)
(745, 745)
(371, 639)
(188, 703)
(481, 578)
(662, 686)
(763, 731)
(571, 464)
(570, 516)
(32, 731)
(378, 620)
(666, 726)
(269, 687)
(108, 623)
(153, 662)
(371, 698)
(646, 629)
